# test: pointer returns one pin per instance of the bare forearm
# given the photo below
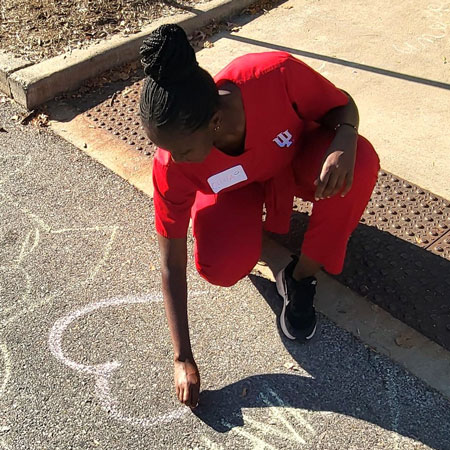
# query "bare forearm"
(336, 173)
(342, 114)
(174, 285)
(175, 302)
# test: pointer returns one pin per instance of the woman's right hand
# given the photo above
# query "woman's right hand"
(187, 382)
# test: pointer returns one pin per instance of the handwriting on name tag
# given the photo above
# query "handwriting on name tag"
(227, 178)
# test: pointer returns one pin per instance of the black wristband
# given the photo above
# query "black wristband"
(345, 123)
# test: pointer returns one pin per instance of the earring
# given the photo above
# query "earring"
(217, 128)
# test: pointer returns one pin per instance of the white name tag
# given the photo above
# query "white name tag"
(227, 178)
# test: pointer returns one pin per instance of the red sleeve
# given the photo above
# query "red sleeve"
(173, 198)
(311, 94)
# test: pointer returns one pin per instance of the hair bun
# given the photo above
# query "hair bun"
(167, 56)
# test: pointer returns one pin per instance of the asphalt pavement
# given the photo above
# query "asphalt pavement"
(85, 354)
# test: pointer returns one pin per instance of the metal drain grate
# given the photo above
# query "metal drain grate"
(409, 212)
(119, 115)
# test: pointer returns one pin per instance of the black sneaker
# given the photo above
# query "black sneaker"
(298, 318)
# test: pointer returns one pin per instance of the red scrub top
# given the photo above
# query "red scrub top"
(279, 94)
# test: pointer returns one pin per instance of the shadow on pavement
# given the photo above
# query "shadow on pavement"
(346, 377)
(342, 62)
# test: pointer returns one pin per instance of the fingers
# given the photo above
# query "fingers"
(336, 175)
(336, 183)
(331, 185)
(340, 184)
(347, 185)
(321, 183)
(183, 395)
(187, 388)
(188, 395)
(195, 388)
(186, 398)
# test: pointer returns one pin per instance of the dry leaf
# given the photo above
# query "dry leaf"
(208, 44)
(233, 27)
(404, 341)
(29, 117)
(42, 120)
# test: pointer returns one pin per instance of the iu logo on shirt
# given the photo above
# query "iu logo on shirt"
(284, 139)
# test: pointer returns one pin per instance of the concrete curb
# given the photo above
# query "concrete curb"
(379, 330)
(8, 65)
(31, 85)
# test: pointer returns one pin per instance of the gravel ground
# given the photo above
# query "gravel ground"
(85, 352)
(39, 29)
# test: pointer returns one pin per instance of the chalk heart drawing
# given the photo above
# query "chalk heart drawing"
(102, 373)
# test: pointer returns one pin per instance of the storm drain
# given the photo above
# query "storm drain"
(398, 257)
(119, 115)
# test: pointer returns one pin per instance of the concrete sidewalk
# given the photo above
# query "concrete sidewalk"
(85, 354)
(394, 59)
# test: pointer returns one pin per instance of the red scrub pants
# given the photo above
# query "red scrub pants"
(228, 227)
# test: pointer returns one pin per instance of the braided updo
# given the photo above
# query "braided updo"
(177, 93)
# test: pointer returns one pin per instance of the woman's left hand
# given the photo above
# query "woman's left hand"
(336, 174)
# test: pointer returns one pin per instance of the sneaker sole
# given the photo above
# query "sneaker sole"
(282, 291)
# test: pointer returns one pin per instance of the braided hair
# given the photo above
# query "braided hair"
(177, 93)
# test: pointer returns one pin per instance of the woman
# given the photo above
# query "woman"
(265, 129)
